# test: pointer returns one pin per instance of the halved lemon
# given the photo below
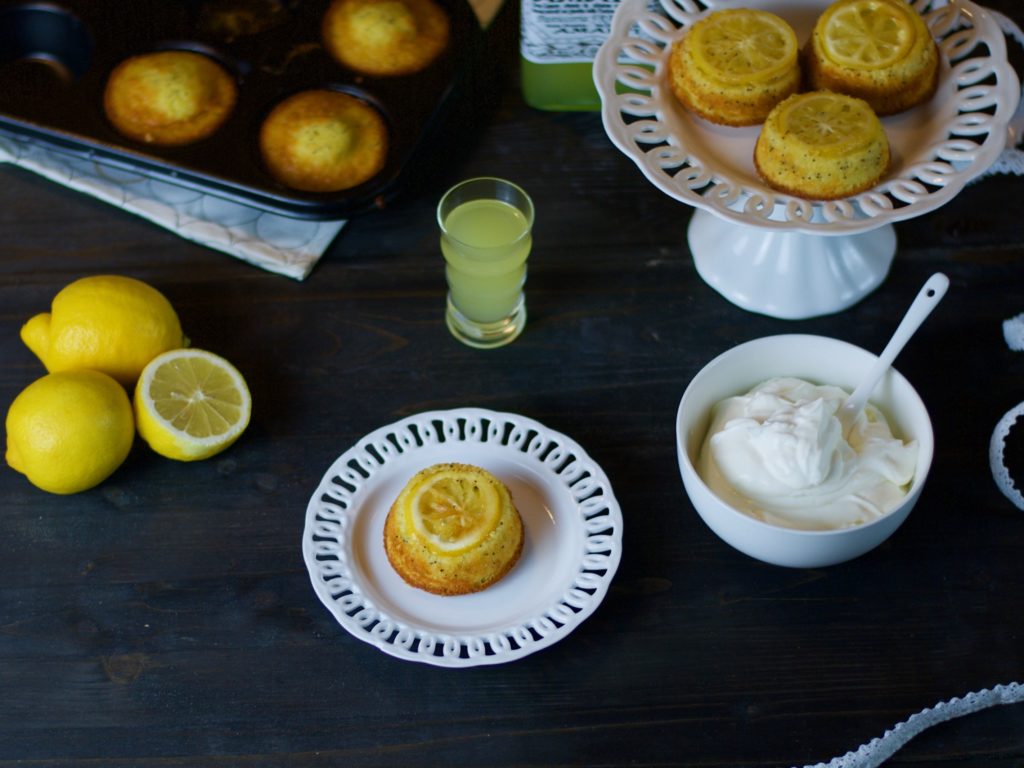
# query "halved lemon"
(191, 404)
(453, 507)
(829, 123)
(742, 45)
(867, 34)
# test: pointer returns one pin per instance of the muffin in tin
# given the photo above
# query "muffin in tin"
(323, 140)
(385, 37)
(169, 97)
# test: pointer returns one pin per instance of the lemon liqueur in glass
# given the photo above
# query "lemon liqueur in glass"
(485, 239)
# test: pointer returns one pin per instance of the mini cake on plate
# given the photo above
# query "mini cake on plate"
(822, 145)
(734, 65)
(323, 141)
(877, 50)
(169, 97)
(453, 530)
(385, 37)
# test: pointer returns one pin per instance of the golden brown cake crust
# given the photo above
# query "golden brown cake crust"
(718, 101)
(890, 89)
(791, 166)
(461, 572)
(385, 37)
(323, 141)
(169, 97)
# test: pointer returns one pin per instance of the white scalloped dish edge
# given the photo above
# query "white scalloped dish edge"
(937, 147)
(572, 546)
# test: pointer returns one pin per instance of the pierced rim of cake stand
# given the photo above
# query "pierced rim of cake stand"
(778, 254)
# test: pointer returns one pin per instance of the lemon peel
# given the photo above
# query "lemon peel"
(69, 431)
(108, 323)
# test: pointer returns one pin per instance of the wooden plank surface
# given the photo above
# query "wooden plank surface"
(166, 617)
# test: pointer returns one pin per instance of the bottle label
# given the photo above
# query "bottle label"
(564, 31)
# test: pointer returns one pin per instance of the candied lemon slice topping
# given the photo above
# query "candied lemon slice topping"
(831, 123)
(454, 510)
(867, 34)
(741, 45)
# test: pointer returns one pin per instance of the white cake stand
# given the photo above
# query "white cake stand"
(777, 254)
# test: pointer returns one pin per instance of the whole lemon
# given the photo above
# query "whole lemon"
(105, 323)
(69, 431)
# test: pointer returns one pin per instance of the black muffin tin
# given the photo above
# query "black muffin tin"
(55, 58)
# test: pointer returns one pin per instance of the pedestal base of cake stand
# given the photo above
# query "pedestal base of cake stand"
(787, 274)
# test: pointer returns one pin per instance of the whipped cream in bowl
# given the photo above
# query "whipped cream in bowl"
(778, 453)
(765, 462)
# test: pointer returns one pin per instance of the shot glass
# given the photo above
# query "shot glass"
(485, 238)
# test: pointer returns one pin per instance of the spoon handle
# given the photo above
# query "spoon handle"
(927, 298)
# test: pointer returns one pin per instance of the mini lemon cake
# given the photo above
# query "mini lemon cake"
(822, 145)
(385, 37)
(169, 97)
(323, 141)
(453, 530)
(877, 50)
(734, 65)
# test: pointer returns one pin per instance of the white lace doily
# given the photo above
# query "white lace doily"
(1013, 332)
(880, 749)
(877, 751)
(1011, 160)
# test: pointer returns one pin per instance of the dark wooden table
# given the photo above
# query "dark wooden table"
(166, 617)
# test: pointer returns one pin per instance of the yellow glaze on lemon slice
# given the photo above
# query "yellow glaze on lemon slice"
(828, 123)
(741, 45)
(453, 510)
(868, 34)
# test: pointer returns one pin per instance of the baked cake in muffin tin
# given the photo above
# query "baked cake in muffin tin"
(142, 85)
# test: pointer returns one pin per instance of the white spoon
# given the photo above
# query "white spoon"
(927, 299)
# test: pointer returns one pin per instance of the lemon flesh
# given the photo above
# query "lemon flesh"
(741, 45)
(191, 404)
(868, 34)
(107, 323)
(68, 431)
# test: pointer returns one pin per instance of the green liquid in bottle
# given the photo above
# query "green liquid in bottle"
(560, 87)
(558, 41)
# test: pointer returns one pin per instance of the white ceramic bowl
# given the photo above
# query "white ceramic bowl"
(824, 361)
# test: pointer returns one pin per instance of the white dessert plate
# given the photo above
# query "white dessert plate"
(572, 547)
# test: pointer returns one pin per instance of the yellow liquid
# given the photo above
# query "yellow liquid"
(485, 246)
